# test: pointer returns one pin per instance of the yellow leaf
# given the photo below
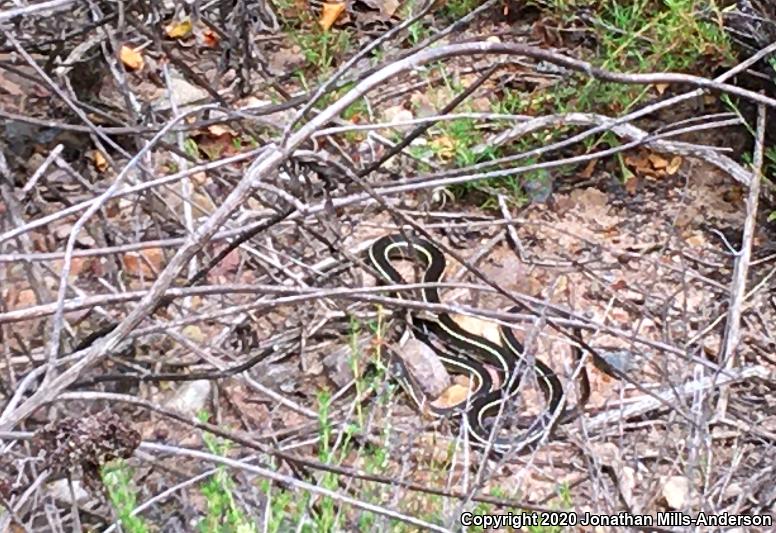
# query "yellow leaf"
(100, 163)
(444, 147)
(178, 30)
(330, 14)
(673, 166)
(131, 58)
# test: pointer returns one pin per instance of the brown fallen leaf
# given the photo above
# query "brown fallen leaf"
(21, 299)
(657, 161)
(696, 239)
(453, 395)
(331, 12)
(587, 172)
(216, 146)
(220, 129)
(632, 184)
(661, 88)
(77, 266)
(131, 58)
(100, 163)
(228, 265)
(674, 165)
(144, 263)
(387, 8)
(479, 327)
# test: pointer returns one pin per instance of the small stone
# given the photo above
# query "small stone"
(398, 114)
(425, 367)
(676, 491)
(191, 398)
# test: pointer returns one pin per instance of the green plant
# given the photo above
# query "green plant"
(649, 36)
(460, 8)
(117, 478)
(511, 102)
(223, 514)
(191, 148)
(417, 32)
(277, 517)
(770, 159)
(322, 47)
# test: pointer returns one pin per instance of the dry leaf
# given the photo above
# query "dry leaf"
(589, 168)
(674, 165)
(661, 88)
(178, 30)
(216, 146)
(398, 114)
(657, 161)
(210, 38)
(444, 147)
(479, 327)
(590, 197)
(220, 129)
(228, 265)
(100, 163)
(631, 185)
(641, 164)
(199, 179)
(203, 203)
(146, 262)
(389, 7)
(696, 239)
(77, 266)
(194, 333)
(191, 397)
(453, 395)
(330, 14)
(131, 58)
(24, 298)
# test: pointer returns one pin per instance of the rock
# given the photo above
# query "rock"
(676, 491)
(190, 398)
(425, 367)
(398, 114)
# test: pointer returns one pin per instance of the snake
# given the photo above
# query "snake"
(464, 352)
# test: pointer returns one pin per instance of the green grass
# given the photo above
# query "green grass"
(651, 36)
(458, 8)
(335, 445)
(117, 478)
(289, 510)
(223, 514)
(322, 49)
(648, 36)
(640, 36)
